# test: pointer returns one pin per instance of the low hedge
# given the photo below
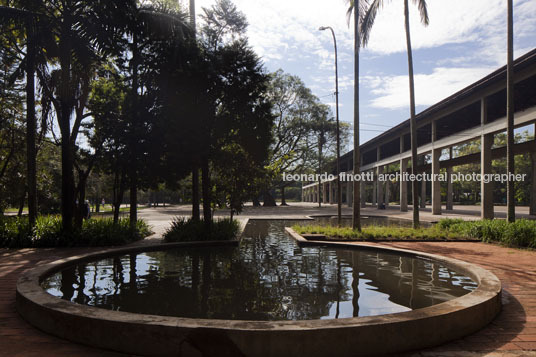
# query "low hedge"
(15, 232)
(521, 233)
(189, 230)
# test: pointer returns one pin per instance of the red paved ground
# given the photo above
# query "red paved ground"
(512, 333)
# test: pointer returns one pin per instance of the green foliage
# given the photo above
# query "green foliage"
(188, 230)
(375, 232)
(15, 233)
(447, 223)
(521, 233)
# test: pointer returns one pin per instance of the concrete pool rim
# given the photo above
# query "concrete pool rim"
(162, 335)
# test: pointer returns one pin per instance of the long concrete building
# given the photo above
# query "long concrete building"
(475, 112)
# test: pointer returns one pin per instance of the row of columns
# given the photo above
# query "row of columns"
(381, 194)
(329, 190)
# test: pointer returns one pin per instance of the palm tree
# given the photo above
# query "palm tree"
(195, 169)
(72, 42)
(366, 26)
(510, 114)
(356, 208)
(144, 25)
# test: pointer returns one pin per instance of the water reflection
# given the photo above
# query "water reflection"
(267, 278)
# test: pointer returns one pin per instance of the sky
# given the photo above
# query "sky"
(465, 41)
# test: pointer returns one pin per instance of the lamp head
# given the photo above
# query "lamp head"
(322, 28)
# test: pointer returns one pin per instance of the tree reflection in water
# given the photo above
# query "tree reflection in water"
(267, 278)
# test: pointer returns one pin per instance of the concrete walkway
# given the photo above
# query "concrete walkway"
(160, 217)
(513, 333)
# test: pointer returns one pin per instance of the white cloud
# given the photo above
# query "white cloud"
(392, 92)
(469, 34)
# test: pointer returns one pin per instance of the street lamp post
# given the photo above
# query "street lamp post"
(339, 192)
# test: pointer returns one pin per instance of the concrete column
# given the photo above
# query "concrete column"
(486, 189)
(375, 189)
(423, 194)
(450, 194)
(380, 188)
(403, 186)
(387, 192)
(436, 184)
(324, 193)
(532, 208)
(362, 187)
(349, 195)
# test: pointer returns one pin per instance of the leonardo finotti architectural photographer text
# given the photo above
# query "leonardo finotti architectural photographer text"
(369, 177)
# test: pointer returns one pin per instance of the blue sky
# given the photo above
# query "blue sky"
(466, 40)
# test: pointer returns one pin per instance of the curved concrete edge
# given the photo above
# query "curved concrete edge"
(161, 335)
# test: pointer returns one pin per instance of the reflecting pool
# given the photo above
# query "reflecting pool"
(268, 277)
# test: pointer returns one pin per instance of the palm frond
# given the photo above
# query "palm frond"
(363, 6)
(423, 11)
(368, 20)
(11, 13)
(163, 23)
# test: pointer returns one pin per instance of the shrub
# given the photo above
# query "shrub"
(189, 230)
(15, 233)
(449, 222)
(521, 233)
(103, 232)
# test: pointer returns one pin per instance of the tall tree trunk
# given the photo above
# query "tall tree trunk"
(80, 208)
(413, 124)
(195, 194)
(21, 203)
(510, 115)
(64, 119)
(283, 198)
(195, 171)
(31, 124)
(118, 198)
(269, 200)
(135, 106)
(356, 208)
(320, 143)
(192, 14)
(207, 209)
(133, 200)
(97, 203)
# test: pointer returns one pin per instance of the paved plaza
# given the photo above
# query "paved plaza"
(512, 333)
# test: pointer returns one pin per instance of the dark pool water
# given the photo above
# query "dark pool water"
(267, 278)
